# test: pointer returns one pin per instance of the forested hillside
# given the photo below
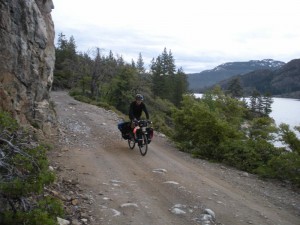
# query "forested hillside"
(284, 81)
(108, 80)
(198, 81)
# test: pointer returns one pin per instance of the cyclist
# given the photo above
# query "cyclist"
(137, 107)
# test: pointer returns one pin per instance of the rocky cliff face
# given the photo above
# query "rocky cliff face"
(27, 56)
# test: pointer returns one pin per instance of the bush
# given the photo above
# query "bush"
(283, 167)
(83, 98)
(201, 129)
(289, 137)
(23, 174)
(75, 92)
(34, 217)
(46, 212)
(35, 174)
(241, 155)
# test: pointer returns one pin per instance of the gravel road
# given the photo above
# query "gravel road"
(102, 181)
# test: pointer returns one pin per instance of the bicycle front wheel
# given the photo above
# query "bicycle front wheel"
(131, 143)
(143, 145)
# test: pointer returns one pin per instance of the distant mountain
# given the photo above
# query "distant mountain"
(284, 81)
(198, 81)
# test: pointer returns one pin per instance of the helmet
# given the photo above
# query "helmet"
(139, 97)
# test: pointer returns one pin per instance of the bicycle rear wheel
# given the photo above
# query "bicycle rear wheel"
(143, 145)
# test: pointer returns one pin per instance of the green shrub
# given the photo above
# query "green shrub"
(75, 92)
(23, 174)
(104, 105)
(34, 217)
(7, 123)
(52, 206)
(199, 127)
(35, 173)
(82, 98)
(283, 167)
(45, 212)
(289, 137)
(241, 155)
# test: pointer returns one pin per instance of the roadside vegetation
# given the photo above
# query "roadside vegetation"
(223, 129)
(24, 172)
(220, 127)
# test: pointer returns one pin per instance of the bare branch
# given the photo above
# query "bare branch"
(17, 150)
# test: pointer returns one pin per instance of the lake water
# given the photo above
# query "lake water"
(284, 110)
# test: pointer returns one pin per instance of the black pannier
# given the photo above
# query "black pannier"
(125, 128)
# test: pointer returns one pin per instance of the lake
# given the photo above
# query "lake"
(284, 110)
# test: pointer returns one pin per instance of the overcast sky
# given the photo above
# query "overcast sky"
(201, 34)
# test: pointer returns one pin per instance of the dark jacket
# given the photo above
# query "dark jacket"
(135, 111)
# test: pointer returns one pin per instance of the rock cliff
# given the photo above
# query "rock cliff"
(27, 56)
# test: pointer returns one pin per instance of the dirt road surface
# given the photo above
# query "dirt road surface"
(116, 185)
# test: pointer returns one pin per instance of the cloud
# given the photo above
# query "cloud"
(200, 34)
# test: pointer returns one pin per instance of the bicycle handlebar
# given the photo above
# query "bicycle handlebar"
(142, 123)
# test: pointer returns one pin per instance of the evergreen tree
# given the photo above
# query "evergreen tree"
(71, 46)
(260, 105)
(254, 101)
(181, 86)
(61, 41)
(163, 76)
(120, 61)
(97, 73)
(140, 66)
(85, 72)
(157, 77)
(66, 63)
(133, 63)
(123, 88)
(171, 68)
(235, 88)
(142, 80)
(164, 62)
(110, 67)
(267, 102)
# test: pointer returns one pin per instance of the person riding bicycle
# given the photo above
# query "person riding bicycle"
(136, 108)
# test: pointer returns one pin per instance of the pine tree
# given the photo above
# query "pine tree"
(66, 63)
(140, 66)
(71, 46)
(235, 88)
(167, 84)
(61, 41)
(133, 64)
(142, 80)
(164, 62)
(123, 88)
(180, 87)
(171, 68)
(267, 104)
(254, 101)
(96, 74)
(157, 77)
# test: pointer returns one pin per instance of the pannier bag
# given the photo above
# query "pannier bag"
(150, 134)
(124, 127)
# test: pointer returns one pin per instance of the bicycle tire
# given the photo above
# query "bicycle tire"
(143, 145)
(131, 143)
